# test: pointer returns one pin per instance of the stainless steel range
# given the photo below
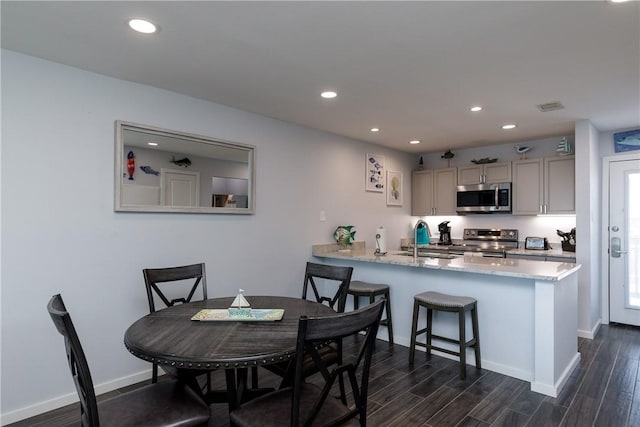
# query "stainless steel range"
(491, 242)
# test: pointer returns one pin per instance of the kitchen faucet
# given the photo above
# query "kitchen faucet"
(415, 236)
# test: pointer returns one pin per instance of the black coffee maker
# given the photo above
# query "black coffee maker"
(445, 233)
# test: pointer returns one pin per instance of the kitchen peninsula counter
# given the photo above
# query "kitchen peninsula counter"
(552, 271)
(527, 309)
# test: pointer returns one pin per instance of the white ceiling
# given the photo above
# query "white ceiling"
(413, 69)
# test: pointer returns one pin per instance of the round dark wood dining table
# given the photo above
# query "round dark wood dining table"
(185, 348)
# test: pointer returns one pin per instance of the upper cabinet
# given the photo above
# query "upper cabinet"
(544, 186)
(488, 173)
(433, 192)
(560, 185)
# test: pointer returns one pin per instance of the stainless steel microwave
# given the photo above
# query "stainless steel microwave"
(484, 198)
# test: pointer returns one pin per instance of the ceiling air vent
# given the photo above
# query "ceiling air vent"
(550, 106)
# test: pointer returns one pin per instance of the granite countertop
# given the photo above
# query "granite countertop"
(520, 268)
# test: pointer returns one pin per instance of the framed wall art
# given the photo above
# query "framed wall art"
(626, 141)
(374, 173)
(394, 188)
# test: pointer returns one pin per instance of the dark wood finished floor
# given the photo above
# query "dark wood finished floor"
(603, 391)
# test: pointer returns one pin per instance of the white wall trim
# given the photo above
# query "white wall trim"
(604, 251)
(592, 333)
(471, 361)
(564, 377)
(68, 399)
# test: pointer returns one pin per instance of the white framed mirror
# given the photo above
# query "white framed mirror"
(160, 170)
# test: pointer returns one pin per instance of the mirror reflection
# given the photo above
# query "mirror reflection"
(159, 170)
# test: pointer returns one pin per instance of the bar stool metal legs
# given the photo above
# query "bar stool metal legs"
(363, 289)
(442, 302)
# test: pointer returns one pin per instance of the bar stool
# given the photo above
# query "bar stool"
(442, 302)
(363, 289)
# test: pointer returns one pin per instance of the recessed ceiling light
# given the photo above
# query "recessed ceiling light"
(507, 127)
(142, 26)
(414, 142)
(328, 94)
(619, 1)
(154, 144)
(375, 130)
(476, 108)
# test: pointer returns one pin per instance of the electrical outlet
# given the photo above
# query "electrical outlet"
(323, 215)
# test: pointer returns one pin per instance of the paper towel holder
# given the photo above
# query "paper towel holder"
(380, 251)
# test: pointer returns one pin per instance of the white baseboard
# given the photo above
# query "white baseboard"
(486, 364)
(592, 333)
(67, 399)
(552, 390)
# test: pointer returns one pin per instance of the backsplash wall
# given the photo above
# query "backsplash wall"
(539, 226)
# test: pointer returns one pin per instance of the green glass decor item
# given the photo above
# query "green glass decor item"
(344, 234)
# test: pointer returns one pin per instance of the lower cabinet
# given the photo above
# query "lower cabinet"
(541, 257)
(561, 259)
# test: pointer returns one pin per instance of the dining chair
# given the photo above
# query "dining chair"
(342, 275)
(155, 278)
(195, 274)
(307, 403)
(336, 287)
(167, 403)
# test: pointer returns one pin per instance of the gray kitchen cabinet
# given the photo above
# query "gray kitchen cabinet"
(541, 257)
(560, 259)
(560, 185)
(422, 193)
(489, 173)
(433, 192)
(544, 186)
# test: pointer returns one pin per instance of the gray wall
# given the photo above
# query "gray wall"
(60, 233)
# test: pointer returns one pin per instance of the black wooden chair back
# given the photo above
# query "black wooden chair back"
(330, 353)
(307, 404)
(312, 333)
(155, 276)
(77, 361)
(342, 275)
(169, 403)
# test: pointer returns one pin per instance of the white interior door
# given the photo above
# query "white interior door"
(179, 188)
(624, 242)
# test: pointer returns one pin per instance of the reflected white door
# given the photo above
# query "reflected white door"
(624, 242)
(179, 188)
